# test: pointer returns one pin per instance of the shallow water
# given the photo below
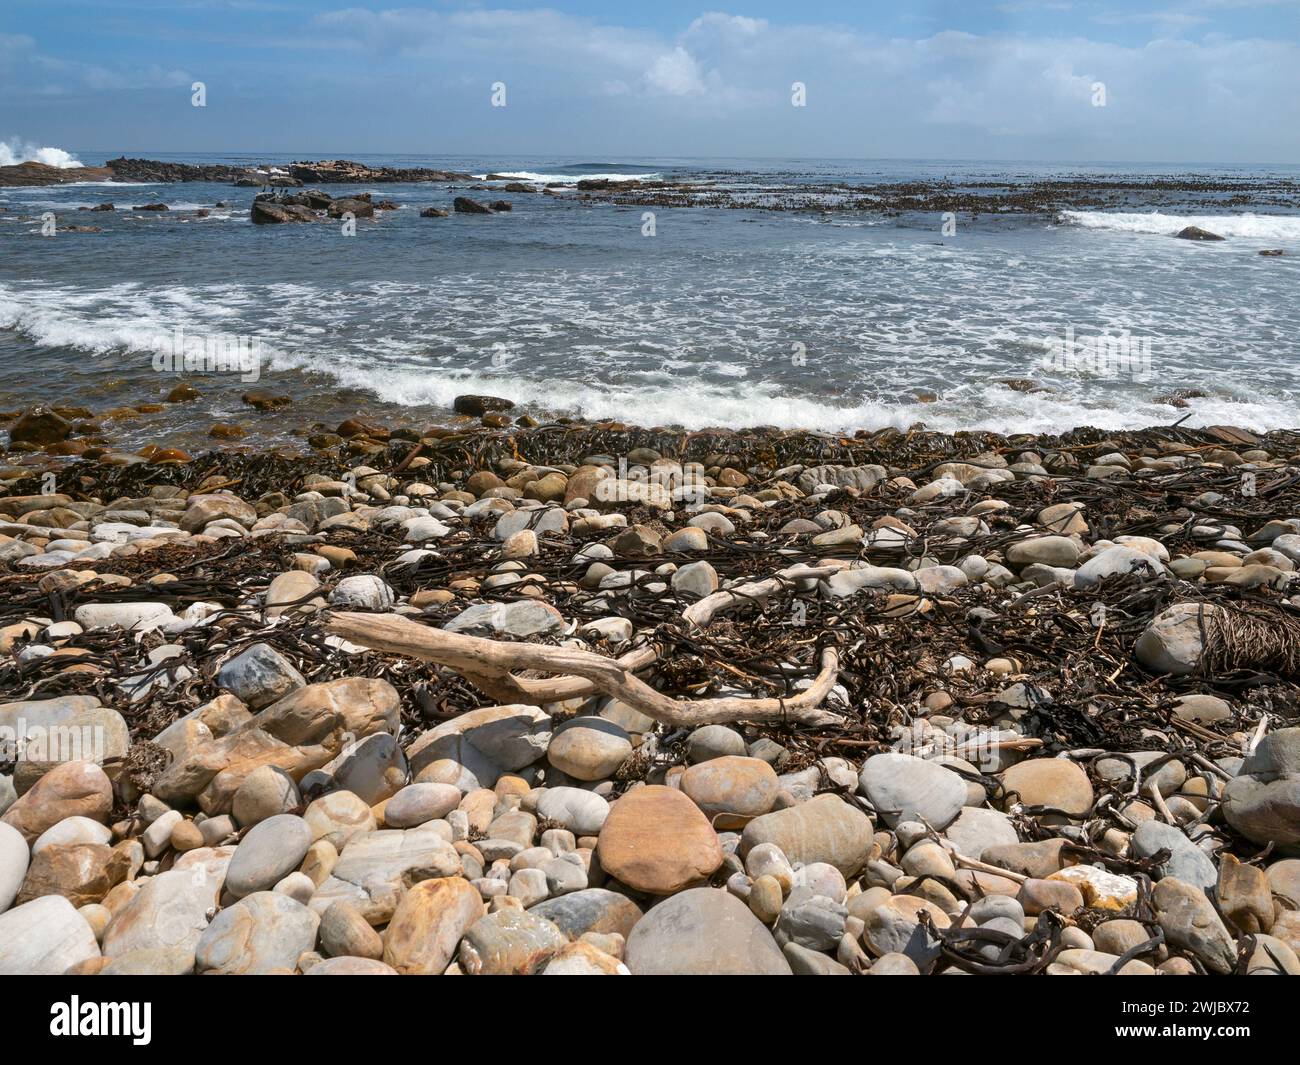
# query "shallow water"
(835, 321)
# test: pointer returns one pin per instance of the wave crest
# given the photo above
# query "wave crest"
(14, 151)
(1256, 226)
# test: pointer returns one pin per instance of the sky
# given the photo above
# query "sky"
(1173, 81)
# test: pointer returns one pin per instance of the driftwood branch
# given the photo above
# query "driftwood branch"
(490, 664)
(493, 665)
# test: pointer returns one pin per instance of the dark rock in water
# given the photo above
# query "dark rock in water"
(152, 207)
(386, 205)
(464, 205)
(123, 169)
(1021, 384)
(313, 198)
(268, 211)
(265, 400)
(182, 393)
(338, 171)
(502, 205)
(480, 405)
(519, 186)
(1180, 396)
(357, 206)
(356, 427)
(110, 207)
(591, 184)
(1196, 233)
(1272, 253)
(31, 174)
(39, 425)
(434, 212)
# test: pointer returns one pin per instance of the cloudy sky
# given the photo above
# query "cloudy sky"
(1185, 80)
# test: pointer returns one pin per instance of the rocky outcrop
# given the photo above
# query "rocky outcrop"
(123, 169)
(34, 174)
(269, 212)
(1196, 233)
(346, 171)
(330, 171)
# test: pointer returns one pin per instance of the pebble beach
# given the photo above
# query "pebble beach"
(581, 697)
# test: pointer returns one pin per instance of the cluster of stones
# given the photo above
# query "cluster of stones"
(297, 828)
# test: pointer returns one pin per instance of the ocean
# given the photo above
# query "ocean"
(721, 313)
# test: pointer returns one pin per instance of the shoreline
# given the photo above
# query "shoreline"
(720, 189)
(857, 698)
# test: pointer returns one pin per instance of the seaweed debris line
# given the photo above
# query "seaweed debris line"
(589, 698)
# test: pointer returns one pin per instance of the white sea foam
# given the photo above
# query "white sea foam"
(1252, 226)
(15, 151)
(880, 315)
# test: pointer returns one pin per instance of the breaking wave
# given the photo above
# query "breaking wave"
(14, 151)
(1252, 226)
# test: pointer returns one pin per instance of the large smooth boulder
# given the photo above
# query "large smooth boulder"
(14, 858)
(657, 841)
(259, 675)
(69, 728)
(44, 937)
(582, 812)
(70, 789)
(823, 829)
(731, 790)
(169, 912)
(265, 932)
(902, 787)
(428, 925)
(509, 943)
(703, 932)
(1263, 801)
(1173, 641)
(511, 736)
(1186, 862)
(1189, 921)
(1057, 783)
(270, 851)
(590, 910)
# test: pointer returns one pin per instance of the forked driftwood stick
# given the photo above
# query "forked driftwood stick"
(490, 665)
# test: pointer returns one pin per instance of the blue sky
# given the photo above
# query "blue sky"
(1185, 80)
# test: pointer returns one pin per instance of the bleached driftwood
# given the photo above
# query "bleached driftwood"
(491, 665)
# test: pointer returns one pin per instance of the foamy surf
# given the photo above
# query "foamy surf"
(14, 151)
(695, 406)
(1251, 226)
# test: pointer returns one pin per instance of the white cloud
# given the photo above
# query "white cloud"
(721, 83)
(675, 73)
